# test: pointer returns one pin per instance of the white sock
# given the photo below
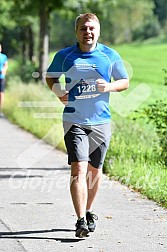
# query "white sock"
(89, 210)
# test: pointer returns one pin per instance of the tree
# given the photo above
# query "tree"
(124, 17)
(45, 9)
(42, 10)
(161, 10)
(5, 7)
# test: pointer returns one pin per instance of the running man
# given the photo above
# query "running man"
(92, 70)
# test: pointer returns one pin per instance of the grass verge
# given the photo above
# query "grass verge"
(34, 108)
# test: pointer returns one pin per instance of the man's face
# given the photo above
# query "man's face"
(87, 32)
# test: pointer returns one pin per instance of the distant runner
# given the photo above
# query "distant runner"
(3, 69)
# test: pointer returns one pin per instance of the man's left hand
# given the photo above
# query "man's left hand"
(103, 86)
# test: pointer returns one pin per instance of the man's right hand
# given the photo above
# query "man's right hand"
(64, 98)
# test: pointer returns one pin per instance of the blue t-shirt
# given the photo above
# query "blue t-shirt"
(86, 104)
(3, 59)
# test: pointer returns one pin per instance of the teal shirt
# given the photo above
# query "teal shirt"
(3, 60)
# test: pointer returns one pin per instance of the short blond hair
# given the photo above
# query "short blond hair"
(86, 16)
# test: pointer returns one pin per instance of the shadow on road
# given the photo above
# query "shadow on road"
(19, 235)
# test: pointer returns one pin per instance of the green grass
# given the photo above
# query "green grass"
(133, 159)
(36, 118)
(147, 62)
(133, 156)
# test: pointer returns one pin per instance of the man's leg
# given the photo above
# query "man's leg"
(94, 177)
(79, 195)
(98, 142)
(1, 100)
(79, 187)
(2, 87)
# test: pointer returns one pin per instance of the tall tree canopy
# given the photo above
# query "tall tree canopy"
(42, 9)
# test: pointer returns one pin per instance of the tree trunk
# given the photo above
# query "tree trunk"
(44, 41)
(31, 43)
(24, 40)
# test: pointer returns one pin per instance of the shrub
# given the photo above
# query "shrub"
(157, 114)
(149, 29)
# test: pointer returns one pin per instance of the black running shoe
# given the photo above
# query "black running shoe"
(81, 228)
(90, 217)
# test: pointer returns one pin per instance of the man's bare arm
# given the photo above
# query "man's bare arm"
(55, 86)
(5, 67)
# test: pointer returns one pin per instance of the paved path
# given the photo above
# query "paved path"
(36, 212)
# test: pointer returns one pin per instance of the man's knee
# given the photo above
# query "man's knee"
(79, 168)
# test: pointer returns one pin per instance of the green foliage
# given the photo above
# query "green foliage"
(148, 29)
(33, 7)
(21, 70)
(133, 159)
(134, 156)
(165, 77)
(161, 10)
(124, 18)
(5, 7)
(149, 67)
(157, 114)
(61, 19)
(26, 70)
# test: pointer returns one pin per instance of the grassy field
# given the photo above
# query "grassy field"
(146, 60)
(148, 63)
(133, 156)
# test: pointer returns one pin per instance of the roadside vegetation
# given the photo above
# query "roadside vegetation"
(136, 156)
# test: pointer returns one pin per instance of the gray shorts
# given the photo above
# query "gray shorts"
(87, 143)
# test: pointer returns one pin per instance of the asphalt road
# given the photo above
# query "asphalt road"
(36, 212)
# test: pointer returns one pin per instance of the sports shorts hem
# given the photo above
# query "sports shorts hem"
(87, 143)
